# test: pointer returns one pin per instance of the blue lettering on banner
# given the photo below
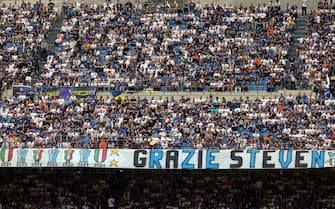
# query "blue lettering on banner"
(252, 157)
(22, 155)
(178, 159)
(210, 158)
(318, 157)
(155, 157)
(185, 164)
(286, 163)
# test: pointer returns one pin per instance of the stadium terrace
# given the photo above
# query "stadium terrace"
(166, 104)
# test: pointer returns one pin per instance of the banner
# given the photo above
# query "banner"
(23, 90)
(82, 91)
(167, 159)
(66, 92)
(52, 92)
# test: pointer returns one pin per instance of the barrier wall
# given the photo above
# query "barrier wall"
(167, 159)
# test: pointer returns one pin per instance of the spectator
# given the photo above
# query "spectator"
(23, 29)
(288, 122)
(167, 189)
(304, 8)
(316, 52)
(117, 47)
(111, 202)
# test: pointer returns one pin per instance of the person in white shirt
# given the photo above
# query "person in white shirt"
(304, 8)
(111, 202)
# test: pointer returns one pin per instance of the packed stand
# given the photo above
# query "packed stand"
(214, 48)
(23, 29)
(56, 189)
(317, 49)
(286, 122)
(167, 189)
(236, 191)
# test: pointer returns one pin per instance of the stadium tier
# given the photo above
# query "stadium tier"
(168, 190)
(75, 132)
(23, 29)
(123, 47)
(210, 48)
(316, 51)
(286, 122)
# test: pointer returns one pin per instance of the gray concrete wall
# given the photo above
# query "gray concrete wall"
(228, 95)
(311, 4)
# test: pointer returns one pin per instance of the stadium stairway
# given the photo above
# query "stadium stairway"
(50, 40)
(293, 58)
(53, 32)
(297, 35)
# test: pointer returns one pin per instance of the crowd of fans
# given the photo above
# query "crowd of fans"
(316, 52)
(23, 29)
(57, 190)
(220, 48)
(168, 190)
(285, 122)
(326, 4)
(272, 191)
(215, 47)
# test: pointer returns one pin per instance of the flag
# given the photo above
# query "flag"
(100, 155)
(37, 155)
(116, 93)
(68, 155)
(6, 156)
(120, 97)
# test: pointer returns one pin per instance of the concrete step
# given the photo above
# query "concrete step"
(301, 27)
(300, 35)
(300, 30)
(292, 53)
(296, 38)
(300, 22)
(301, 19)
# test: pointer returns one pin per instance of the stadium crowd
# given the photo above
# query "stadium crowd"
(285, 122)
(62, 191)
(317, 49)
(220, 48)
(214, 48)
(120, 45)
(23, 29)
(272, 191)
(154, 190)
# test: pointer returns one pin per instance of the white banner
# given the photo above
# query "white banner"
(167, 159)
